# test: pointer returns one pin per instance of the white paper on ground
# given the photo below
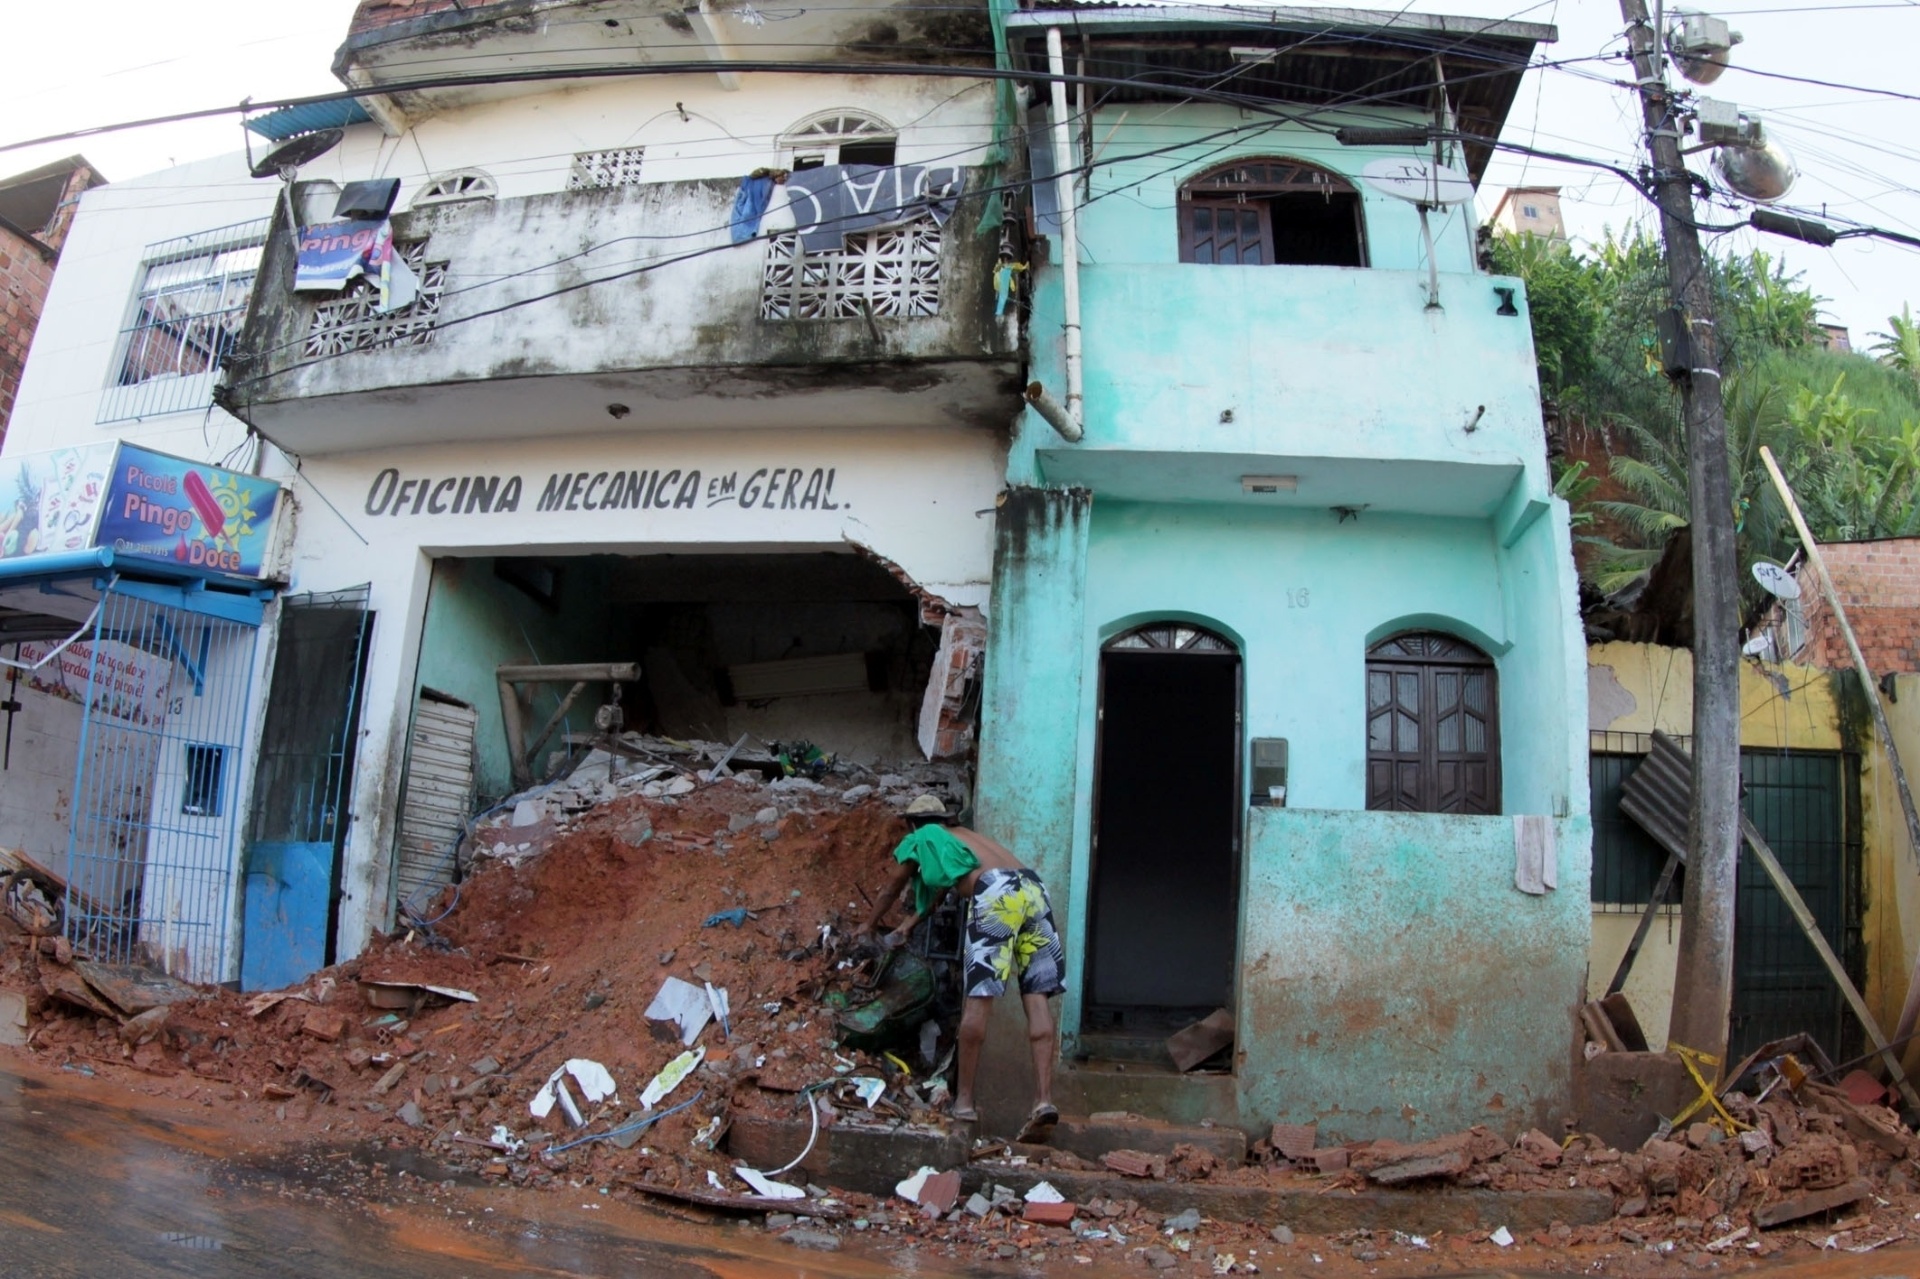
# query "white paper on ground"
(670, 1076)
(1044, 1193)
(684, 1004)
(766, 1187)
(909, 1189)
(596, 1084)
(1503, 1237)
(868, 1089)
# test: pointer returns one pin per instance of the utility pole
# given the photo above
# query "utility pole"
(1703, 984)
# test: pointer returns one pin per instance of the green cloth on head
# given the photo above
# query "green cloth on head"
(943, 861)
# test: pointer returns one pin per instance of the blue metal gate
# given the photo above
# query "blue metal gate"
(150, 852)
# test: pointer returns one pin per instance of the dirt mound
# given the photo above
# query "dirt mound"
(563, 953)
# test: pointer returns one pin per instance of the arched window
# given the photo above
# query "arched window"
(1433, 726)
(838, 137)
(1279, 212)
(454, 187)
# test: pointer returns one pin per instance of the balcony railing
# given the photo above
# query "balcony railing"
(891, 272)
(354, 322)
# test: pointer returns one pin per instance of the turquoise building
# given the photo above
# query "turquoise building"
(1286, 687)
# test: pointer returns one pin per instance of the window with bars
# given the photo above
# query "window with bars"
(1433, 726)
(1271, 212)
(187, 314)
(596, 170)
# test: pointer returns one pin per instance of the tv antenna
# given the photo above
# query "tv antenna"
(1426, 185)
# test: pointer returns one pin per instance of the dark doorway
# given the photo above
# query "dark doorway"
(302, 789)
(1164, 894)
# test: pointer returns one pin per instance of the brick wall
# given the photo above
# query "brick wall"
(26, 271)
(1879, 584)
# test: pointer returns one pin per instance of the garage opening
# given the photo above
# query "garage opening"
(826, 649)
(1164, 891)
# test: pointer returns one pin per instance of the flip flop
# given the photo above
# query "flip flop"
(1040, 1125)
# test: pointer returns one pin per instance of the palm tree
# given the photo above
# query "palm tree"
(1900, 347)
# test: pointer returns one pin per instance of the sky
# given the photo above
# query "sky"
(1859, 154)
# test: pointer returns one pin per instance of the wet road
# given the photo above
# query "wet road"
(90, 1187)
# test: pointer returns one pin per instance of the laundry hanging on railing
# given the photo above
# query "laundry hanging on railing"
(750, 202)
(837, 200)
(333, 255)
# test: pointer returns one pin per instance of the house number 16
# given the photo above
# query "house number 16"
(1297, 598)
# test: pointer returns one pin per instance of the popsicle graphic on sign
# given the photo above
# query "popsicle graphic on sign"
(193, 515)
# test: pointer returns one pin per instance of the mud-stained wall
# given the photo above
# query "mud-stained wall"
(1395, 983)
(1025, 793)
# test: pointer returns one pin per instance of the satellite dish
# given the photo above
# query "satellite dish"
(1758, 646)
(1762, 172)
(284, 160)
(1421, 182)
(1775, 580)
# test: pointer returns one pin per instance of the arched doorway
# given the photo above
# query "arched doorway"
(1164, 892)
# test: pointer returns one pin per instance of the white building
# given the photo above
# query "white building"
(610, 427)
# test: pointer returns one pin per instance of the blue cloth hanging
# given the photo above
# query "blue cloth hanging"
(750, 205)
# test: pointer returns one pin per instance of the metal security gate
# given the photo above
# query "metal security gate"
(150, 853)
(1799, 800)
(303, 788)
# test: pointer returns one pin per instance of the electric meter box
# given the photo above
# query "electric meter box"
(1269, 772)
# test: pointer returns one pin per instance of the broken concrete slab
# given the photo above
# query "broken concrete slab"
(13, 1019)
(131, 988)
(871, 1160)
(1795, 1207)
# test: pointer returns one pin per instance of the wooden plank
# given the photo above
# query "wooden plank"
(1600, 1027)
(1661, 888)
(1809, 926)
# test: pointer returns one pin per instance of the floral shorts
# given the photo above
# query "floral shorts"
(1010, 932)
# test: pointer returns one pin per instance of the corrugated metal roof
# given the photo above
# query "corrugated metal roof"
(1320, 59)
(289, 121)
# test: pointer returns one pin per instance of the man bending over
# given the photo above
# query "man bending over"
(1010, 935)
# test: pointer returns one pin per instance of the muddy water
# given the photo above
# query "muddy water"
(90, 1187)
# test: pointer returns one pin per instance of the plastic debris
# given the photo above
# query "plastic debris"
(868, 1089)
(766, 1187)
(738, 917)
(684, 1004)
(596, 1084)
(1503, 1237)
(1044, 1193)
(670, 1076)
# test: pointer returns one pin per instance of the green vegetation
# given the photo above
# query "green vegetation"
(1845, 427)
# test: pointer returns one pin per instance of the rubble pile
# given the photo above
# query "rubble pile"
(668, 957)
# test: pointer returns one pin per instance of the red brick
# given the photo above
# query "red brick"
(1059, 1214)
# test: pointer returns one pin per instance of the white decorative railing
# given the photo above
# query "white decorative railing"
(894, 271)
(593, 170)
(352, 321)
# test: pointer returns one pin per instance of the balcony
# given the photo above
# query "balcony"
(1342, 380)
(627, 309)
(393, 45)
